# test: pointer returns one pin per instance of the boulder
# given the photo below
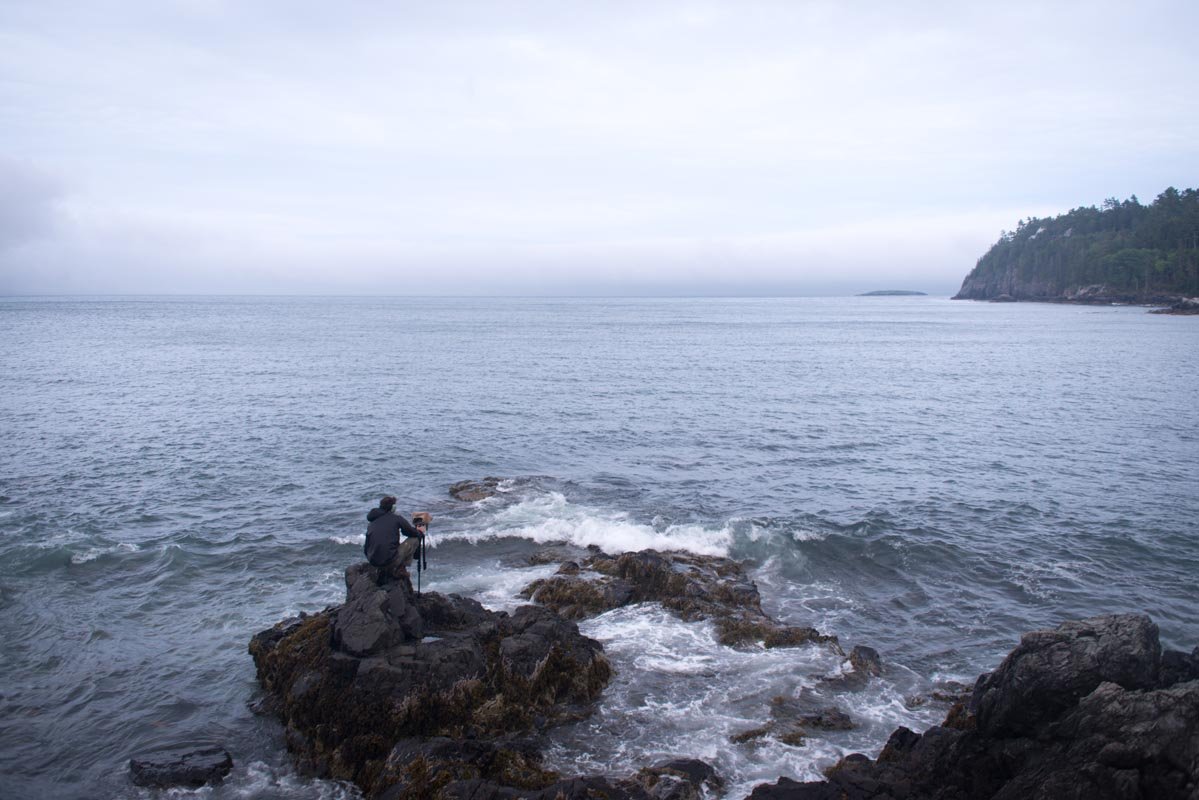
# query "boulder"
(374, 617)
(1050, 670)
(187, 767)
(1091, 709)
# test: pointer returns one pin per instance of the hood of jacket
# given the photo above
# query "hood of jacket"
(374, 514)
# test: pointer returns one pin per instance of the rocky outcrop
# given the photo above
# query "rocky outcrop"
(693, 587)
(387, 666)
(1091, 709)
(473, 491)
(189, 768)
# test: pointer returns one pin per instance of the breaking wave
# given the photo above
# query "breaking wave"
(550, 517)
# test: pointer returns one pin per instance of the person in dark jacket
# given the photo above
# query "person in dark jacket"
(383, 548)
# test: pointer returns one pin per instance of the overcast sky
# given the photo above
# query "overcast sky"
(568, 147)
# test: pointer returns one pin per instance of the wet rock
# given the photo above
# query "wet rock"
(560, 553)
(792, 720)
(693, 587)
(470, 769)
(1050, 670)
(679, 779)
(864, 664)
(444, 767)
(388, 666)
(473, 491)
(947, 693)
(374, 617)
(191, 768)
(1178, 667)
(1091, 709)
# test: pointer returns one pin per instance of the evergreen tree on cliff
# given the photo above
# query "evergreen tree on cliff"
(1122, 251)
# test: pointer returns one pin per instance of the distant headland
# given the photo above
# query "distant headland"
(893, 293)
(1122, 252)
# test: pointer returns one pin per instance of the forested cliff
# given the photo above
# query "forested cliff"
(1123, 251)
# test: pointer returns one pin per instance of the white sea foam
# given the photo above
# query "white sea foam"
(552, 518)
(494, 584)
(678, 692)
(356, 538)
(93, 553)
(261, 781)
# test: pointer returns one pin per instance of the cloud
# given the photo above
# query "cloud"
(533, 146)
(28, 204)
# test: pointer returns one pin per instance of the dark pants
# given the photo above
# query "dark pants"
(398, 566)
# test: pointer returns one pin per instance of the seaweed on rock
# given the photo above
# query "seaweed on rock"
(352, 681)
(692, 586)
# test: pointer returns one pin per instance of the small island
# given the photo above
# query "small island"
(893, 293)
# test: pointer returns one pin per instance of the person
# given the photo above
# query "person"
(383, 548)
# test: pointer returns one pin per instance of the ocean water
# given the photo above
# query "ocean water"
(926, 477)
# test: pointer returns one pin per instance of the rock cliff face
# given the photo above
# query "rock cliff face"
(1093, 709)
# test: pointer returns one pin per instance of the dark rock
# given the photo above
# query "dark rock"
(864, 664)
(901, 742)
(1050, 670)
(444, 768)
(693, 587)
(695, 771)
(791, 720)
(473, 491)
(678, 779)
(191, 768)
(866, 661)
(1178, 667)
(420, 768)
(388, 666)
(560, 554)
(1088, 710)
(374, 617)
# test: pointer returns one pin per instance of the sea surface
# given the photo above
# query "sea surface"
(926, 477)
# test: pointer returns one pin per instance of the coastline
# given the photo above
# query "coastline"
(1172, 305)
(472, 692)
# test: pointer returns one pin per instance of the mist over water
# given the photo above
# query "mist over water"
(925, 477)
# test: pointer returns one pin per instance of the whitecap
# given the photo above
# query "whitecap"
(552, 518)
(493, 584)
(93, 553)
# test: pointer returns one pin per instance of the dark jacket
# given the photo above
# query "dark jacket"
(383, 535)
